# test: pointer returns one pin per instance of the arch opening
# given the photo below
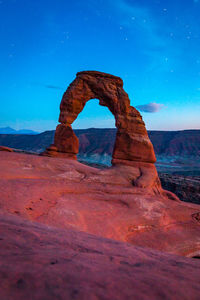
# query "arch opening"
(96, 131)
(94, 115)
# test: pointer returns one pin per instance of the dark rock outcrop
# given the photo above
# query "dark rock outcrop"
(186, 188)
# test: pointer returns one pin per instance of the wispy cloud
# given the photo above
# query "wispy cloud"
(50, 86)
(150, 107)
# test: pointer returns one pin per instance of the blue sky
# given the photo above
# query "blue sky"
(154, 46)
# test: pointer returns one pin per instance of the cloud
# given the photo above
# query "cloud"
(49, 86)
(150, 107)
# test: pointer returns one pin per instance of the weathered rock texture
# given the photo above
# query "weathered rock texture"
(132, 142)
(67, 194)
(39, 262)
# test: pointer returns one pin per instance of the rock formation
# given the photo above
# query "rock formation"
(132, 141)
(66, 194)
(7, 149)
(132, 145)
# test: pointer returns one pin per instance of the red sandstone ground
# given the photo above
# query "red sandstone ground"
(40, 262)
(67, 194)
(55, 260)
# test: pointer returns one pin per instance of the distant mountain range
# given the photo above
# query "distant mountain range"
(173, 148)
(9, 130)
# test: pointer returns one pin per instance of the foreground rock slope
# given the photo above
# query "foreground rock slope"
(67, 194)
(40, 262)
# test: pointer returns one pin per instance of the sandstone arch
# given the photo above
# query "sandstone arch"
(132, 142)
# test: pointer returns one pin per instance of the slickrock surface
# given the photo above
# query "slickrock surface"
(39, 262)
(67, 194)
(132, 146)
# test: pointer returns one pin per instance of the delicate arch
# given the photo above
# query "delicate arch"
(132, 141)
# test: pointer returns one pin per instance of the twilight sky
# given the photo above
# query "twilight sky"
(154, 46)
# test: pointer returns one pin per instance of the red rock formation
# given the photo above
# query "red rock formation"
(132, 142)
(65, 142)
(67, 194)
(40, 262)
(7, 149)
